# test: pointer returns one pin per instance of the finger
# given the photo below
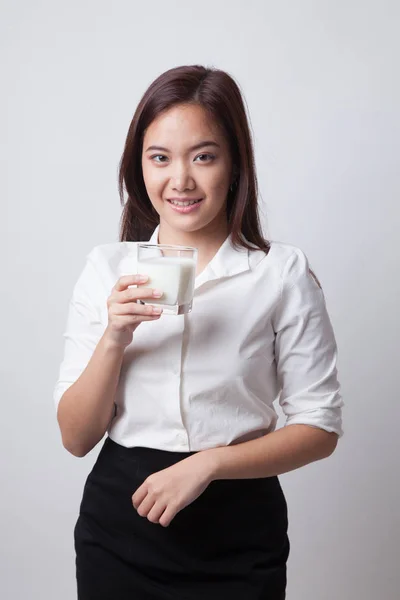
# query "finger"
(126, 280)
(139, 496)
(167, 516)
(132, 294)
(145, 506)
(137, 309)
(136, 293)
(156, 512)
(127, 321)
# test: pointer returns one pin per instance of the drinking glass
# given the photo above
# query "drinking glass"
(171, 269)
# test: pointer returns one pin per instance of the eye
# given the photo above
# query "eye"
(157, 156)
(207, 156)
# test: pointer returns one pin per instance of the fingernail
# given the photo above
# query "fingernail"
(143, 278)
(157, 293)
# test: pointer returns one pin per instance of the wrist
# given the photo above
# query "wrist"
(212, 462)
(110, 345)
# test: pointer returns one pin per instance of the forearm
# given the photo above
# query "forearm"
(87, 407)
(278, 452)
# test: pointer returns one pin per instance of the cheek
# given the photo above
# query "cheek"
(153, 181)
(219, 183)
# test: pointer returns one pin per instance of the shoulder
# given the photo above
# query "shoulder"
(285, 266)
(281, 257)
(108, 262)
(112, 252)
(114, 256)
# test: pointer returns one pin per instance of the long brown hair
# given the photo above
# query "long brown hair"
(220, 96)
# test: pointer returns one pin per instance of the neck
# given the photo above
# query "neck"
(207, 240)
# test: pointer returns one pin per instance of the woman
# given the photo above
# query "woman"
(184, 500)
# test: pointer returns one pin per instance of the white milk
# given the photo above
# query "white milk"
(172, 275)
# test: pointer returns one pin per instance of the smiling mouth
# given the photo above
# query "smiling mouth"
(187, 203)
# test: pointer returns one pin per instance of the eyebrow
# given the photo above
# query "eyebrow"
(195, 147)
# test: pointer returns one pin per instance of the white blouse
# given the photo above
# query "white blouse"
(258, 332)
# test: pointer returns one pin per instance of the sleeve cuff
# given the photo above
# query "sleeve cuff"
(328, 419)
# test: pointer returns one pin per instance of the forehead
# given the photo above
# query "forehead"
(183, 123)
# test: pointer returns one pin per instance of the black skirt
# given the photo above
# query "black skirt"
(231, 542)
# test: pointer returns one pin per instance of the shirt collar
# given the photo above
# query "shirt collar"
(226, 262)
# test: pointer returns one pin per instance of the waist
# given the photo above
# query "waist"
(132, 430)
(122, 466)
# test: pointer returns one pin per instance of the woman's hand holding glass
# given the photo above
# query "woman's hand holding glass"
(124, 312)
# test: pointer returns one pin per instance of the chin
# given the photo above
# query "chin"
(188, 228)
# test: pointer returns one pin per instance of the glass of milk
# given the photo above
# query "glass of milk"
(171, 269)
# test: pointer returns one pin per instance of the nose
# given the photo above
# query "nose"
(182, 179)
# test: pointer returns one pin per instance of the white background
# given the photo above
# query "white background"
(321, 81)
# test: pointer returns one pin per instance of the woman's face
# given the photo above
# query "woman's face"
(186, 157)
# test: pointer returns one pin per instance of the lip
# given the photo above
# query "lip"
(184, 209)
(182, 198)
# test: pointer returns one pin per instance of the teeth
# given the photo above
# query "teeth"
(184, 203)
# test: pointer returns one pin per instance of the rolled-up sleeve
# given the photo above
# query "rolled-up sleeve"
(306, 351)
(84, 326)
